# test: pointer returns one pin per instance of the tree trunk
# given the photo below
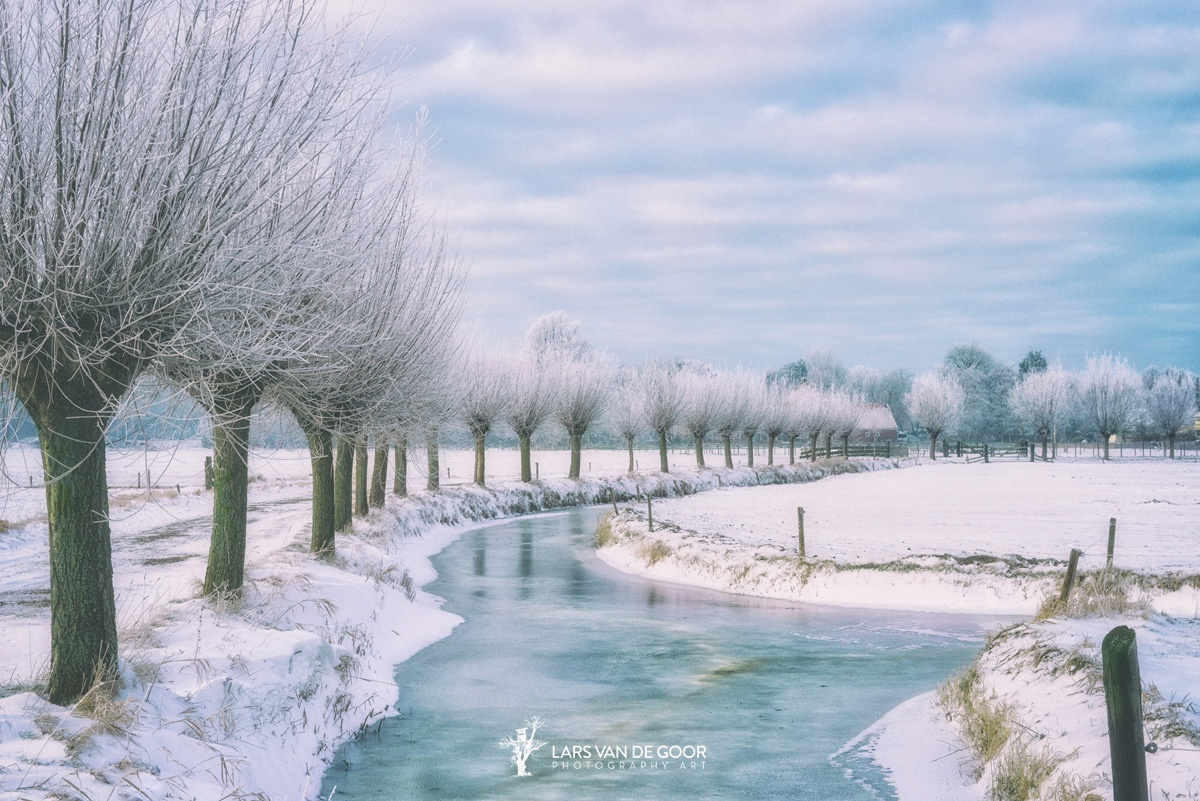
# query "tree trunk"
(231, 451)
(846, 445)
(400, 477)
(1105, 436)
(526, 441)
(576, 454)
(360, 478)
(1044, 438)
(343, 484)
(770, 449)
(829, 445)
(727, 443)
(83, 617)
(699, 450)
(480, 445)
(378, 475)
(663, 467)
(749, 450)
(812, 456)
(629, 442)
(320, 452)
(933, 435)
(791, 449)
(433, 478)
(1171, 440)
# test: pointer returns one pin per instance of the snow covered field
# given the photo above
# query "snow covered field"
(983, 538)
(254, 695)
(247, 698)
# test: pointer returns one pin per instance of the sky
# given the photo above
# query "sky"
(747, 182)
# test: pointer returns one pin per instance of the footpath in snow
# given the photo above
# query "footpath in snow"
(249, 697)
(1027, 720)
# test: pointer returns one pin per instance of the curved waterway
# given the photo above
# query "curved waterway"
(645, 690)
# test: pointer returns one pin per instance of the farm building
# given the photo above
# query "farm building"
(877, 424)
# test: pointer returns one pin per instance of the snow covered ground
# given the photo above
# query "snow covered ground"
(249, 697)
(979, 538)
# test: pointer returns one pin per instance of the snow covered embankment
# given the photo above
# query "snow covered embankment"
(1027, 719)
(986, 539)
(249, 697)
(923, 583)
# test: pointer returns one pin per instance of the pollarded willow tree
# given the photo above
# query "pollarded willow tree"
(662, 401)
(398, 307)
(140, 143)
(847, 411)
(810, 408)
(935, 403)
(586, 388)
(732, 410)
(1041, 400)
(233, 354)
(1109, 391)
(625, 415)
(755, 407)
(1171, 403)
(777, 418)
(484, 399)
(533, 395)
(702, 407)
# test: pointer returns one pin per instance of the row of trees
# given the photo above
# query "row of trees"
(201, 191)
(558, 377)
(1106, 398)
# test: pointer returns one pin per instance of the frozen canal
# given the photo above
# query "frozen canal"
(616, 666)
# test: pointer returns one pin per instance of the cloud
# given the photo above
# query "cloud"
(744, 181)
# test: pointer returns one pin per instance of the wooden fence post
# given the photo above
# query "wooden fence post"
(1072, 564)
(985, 453)
(1112, 540)
(800, 524)
(1123, 697)
(612, 496)
(649, 512)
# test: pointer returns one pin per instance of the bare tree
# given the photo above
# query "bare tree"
(732, 407)
(533, 396)
(140, 143)
(625, 416)
(702, 407)
(555, 337)
(586, 387)
(484, 399)
(935, 403)
(1040, 401)
(390, 370)
(825, 370)
(1171, 403)
(1109, 391)
(810, 408)
(662, 401)
(846, 411)
(754, 411)
(524, 744)
(777, 418)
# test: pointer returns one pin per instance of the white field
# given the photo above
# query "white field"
(921, 526)
(248, 695)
